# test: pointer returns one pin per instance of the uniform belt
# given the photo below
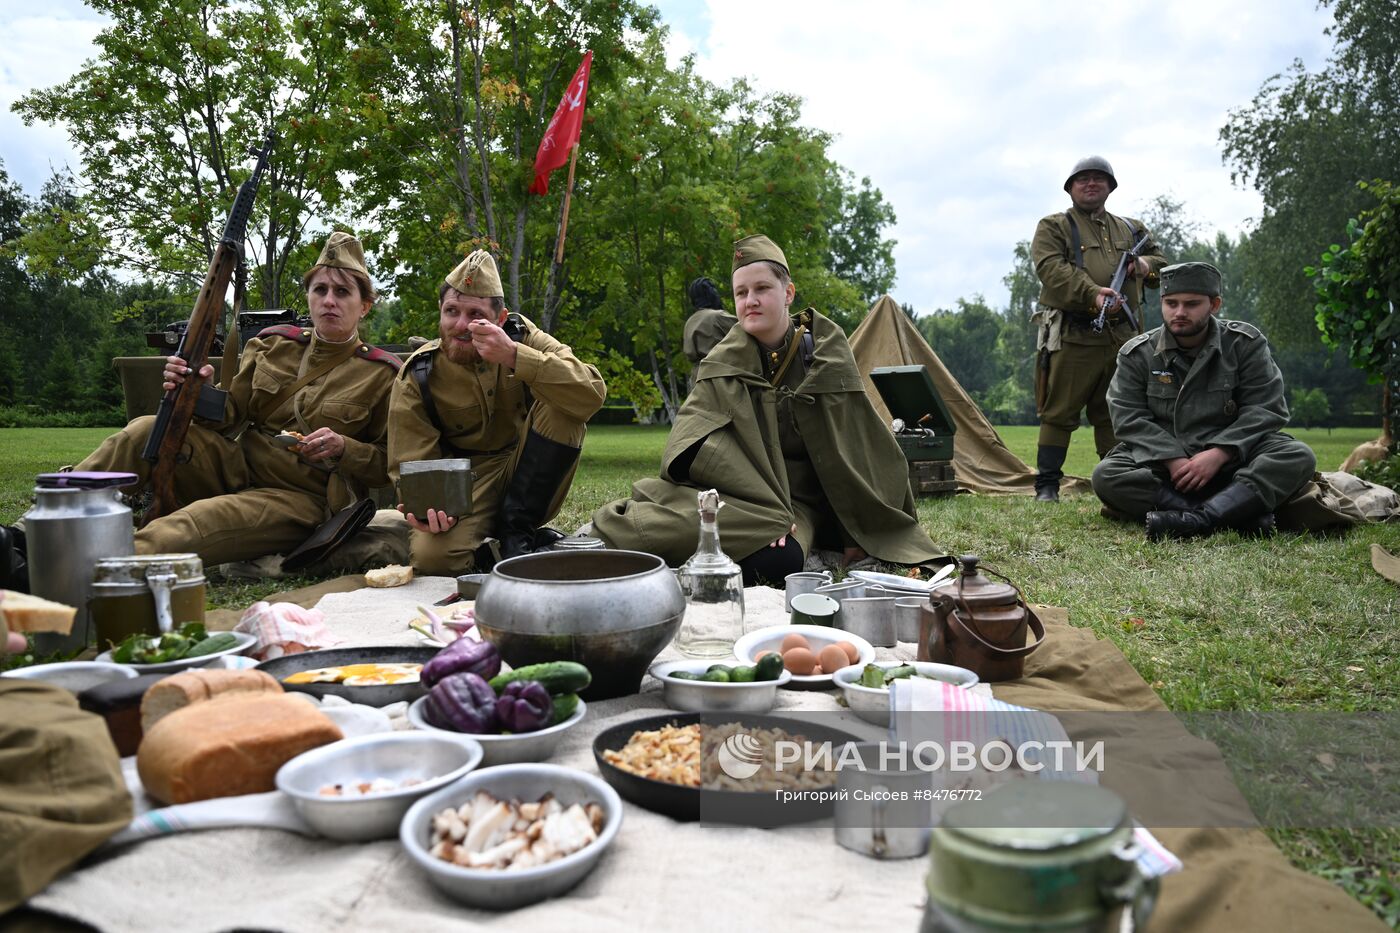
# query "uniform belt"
(1084, 320)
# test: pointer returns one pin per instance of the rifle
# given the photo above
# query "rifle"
(194, 396)
(1120, 275)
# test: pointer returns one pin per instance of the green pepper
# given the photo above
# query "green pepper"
(873, 676)
(899, 673)
(743, 675)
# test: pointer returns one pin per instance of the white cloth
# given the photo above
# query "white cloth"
(659, 874)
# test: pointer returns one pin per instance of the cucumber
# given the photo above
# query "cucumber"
(220, 641)
(742, 675)
(683, 675)
(564, 707)
(558, 677)
(719, 667)
(715, 677)
(769, 667)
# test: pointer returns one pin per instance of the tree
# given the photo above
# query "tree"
(1358, 287)
(1309, 407)
(162, 120)
(1304, 142)
(961, 338)
(859, 252)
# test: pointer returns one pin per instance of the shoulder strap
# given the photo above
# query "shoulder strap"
(379, 355)
(1076, 245)
(290, 331)
(420, 367)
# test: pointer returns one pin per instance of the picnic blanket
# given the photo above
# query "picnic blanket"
(665, 875)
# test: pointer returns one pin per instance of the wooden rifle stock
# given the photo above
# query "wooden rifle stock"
(177, 406)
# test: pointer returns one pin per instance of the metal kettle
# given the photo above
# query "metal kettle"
(980, 624)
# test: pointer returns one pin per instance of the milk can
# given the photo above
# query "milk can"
(148, 594)
(1037, 855)
(68, 531)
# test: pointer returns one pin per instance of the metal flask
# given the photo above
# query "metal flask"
(68, 531)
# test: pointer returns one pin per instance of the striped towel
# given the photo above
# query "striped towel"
(967, 715)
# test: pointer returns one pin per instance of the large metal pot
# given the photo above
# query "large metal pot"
(612, 611)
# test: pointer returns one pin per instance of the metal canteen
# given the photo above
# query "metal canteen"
(68, 531)
(612, 611)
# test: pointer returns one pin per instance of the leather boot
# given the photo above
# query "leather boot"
(543, 467)
(1235, 506)
(1168, 499)
(1048, 463)
(14, 560)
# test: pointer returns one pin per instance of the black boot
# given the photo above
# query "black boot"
(1235, 506)
(1168, 499)
(1048, 463)
(543, 466)
(14, 560)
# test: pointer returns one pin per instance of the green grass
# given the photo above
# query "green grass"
(1296, 622)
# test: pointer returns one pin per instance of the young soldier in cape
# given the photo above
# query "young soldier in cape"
(1198, 404)
(780, 424)
(495, 389)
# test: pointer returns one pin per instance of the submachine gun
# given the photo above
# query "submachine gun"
(179, 405)
(1120, 276)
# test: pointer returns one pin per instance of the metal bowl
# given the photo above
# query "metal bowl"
(611, 611)
(469, 584)
(76, 676)
(289, 664)
(504, 748)
(436, 760)
(702, 696)
(873, 703)
(504, 890)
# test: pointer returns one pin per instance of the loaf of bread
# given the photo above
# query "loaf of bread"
(180, 690)
(26, 613)
(228, 746)
(392, 575)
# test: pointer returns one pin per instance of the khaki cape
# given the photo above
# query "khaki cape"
(732, 415)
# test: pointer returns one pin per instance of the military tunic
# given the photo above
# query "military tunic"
(704, 330)
(1081, 362)
(484, 412)
(1169, 403)
(811, 453)
(242, 496)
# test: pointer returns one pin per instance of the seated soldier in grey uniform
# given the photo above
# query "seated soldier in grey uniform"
(497, 390)
(1197, 405)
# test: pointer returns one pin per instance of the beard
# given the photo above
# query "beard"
(1188, 329)
(463, 354)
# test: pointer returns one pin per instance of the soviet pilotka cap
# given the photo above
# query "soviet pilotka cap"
(757, 248)
(343, 251)
(476, 276)
(1197, 278)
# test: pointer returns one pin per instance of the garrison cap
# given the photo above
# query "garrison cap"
(757, 248)
(476, 276)
(1198, 278)
(343, 251)
(1092, 164)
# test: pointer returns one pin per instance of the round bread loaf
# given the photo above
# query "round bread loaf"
(180, 690)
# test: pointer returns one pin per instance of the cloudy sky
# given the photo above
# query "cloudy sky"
(967, 116)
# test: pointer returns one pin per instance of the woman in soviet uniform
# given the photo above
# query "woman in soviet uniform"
(780, 424)
(243, 496)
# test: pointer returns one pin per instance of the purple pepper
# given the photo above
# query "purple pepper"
(463, 656)
(463, 703)
(524, 706)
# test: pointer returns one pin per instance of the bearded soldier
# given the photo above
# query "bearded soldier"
(495, 389)
(1076, 254)
(1198, 404)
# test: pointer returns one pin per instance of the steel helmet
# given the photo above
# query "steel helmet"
(1093, 164)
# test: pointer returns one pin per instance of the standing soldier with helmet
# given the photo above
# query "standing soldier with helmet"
(1076, 254)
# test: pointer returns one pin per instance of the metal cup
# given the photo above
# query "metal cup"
(885, 812)
(870, 617)
(908, 615)
(815, 609)
(804, 581)
(846, 589)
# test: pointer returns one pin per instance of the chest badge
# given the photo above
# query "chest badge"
(1231, 407)
(1163, 376)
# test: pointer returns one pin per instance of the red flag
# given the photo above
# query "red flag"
(564, 128)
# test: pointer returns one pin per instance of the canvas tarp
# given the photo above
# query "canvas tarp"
(984, 464)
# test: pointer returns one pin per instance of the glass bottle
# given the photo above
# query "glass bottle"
(714, 591)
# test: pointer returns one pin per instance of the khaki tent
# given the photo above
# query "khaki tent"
(984, 464)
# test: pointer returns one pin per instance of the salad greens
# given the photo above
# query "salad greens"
(190, 640)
